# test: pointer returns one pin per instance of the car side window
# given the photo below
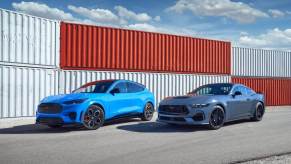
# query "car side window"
(240, 89)
(249, 91)
(133, 87)
(122, 87)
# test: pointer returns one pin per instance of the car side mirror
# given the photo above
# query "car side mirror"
(114, 91)
(236, 93)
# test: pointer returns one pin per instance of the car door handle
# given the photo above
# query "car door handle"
(248, 99)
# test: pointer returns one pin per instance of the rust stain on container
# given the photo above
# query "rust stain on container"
(277, 91)
(102, 48)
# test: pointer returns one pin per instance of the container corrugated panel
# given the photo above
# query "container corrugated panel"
(259, 62)
(28, 40)
(277, 91)
(102, 48)
(22, 88)
(162, 85)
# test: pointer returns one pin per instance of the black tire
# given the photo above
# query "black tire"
(259, 112)
(55, 126)
(93, 117)
(148, 112)
(217, 118)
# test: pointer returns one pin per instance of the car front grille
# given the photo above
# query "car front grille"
(173, 109)
(49, 108)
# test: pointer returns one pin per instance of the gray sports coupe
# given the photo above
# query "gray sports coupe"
(213, 105)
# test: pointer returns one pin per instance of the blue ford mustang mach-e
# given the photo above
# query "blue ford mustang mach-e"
(96, 102)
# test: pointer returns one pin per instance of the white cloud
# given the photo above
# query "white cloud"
(275, 38)
(237, 11)
(276, 13)
(144, 27)
(42, 10)
(157, 18)
(124, 13)
(97, 15)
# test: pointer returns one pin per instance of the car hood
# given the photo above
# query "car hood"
(186, 100)
(68, 97)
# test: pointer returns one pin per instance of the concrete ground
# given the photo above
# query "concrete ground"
(280, 159)
(134, 141)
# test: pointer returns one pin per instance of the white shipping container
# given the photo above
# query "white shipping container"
(22, 88)
(28, 40)
(260, 63)
(161, 84)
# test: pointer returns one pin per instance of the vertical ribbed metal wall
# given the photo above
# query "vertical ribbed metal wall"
(87, 47)
(162, 85)
(259, 62)
(277, 91)
(31, 50)
(28, 40)
(22, 88)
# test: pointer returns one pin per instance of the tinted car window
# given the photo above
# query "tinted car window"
(122, 87)
(134, 87)
(213, 89)
(249, 91)
(241, 89)
(98, 87)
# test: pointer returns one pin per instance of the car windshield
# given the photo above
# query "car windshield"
(96, 87)
(213, 89)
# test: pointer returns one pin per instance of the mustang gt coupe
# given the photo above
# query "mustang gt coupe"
(213, 105)
(96, 102)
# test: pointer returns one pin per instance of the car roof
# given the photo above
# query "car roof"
(108, 80)
(220, 84)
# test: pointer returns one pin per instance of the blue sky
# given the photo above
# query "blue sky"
(247, 23)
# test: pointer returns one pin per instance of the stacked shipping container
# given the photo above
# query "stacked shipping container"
(266, 71)
(101, 48)
(29, 59)
(41, 57)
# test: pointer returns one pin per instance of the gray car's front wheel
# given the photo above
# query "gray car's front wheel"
(259, 112)
(216, 119)
(93, 118)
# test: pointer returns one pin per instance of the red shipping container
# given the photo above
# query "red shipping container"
(277, 91)
(103, 48)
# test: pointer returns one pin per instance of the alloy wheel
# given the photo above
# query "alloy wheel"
(93, 117)
(216, 118)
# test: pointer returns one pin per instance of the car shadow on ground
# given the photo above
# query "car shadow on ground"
(137, 126)
(36, 128)
(157, 127)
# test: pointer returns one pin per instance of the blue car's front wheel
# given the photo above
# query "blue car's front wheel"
(148, 112)
(93, 118)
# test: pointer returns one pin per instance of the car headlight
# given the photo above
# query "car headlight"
(199, 105)
(77, 101)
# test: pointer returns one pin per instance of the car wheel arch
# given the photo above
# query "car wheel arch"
(222, 106)
(99, 105)
(262, 103)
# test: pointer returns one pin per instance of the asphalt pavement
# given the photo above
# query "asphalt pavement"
(132, 141)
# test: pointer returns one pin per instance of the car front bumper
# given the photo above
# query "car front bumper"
(70, 114)
(194, 117)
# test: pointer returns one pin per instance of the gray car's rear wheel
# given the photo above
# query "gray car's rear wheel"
(259, 112)
(216, 119)
(93, 118)
(148, 112)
